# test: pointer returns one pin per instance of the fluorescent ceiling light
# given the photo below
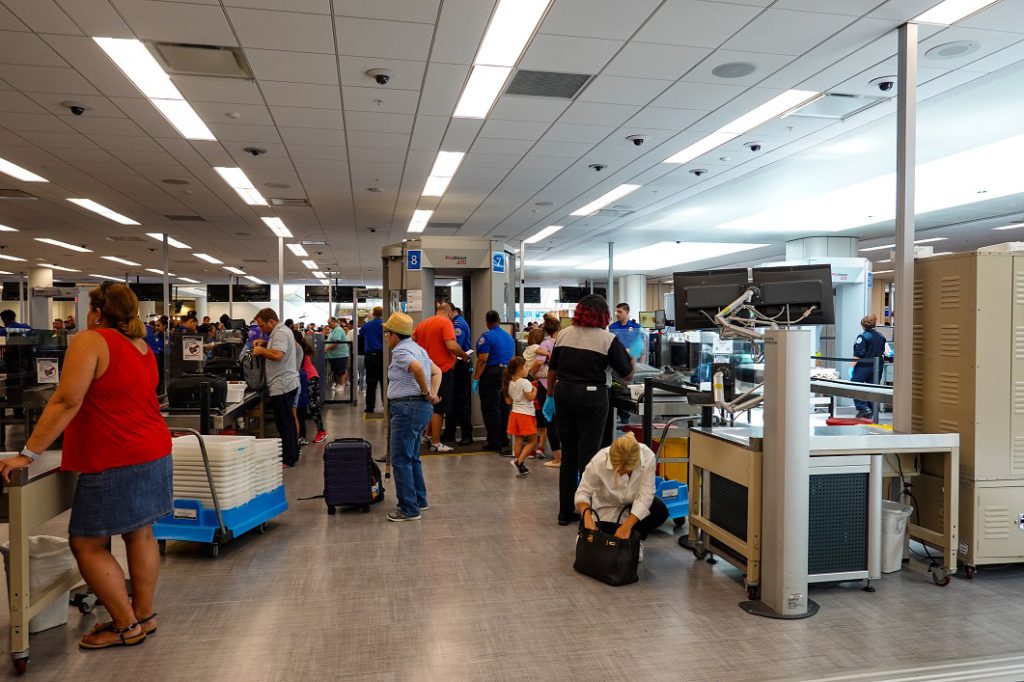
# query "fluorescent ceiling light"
(4, 272)
(277, 226)
(91, 205)
(138, 64)
(240, 182)
(510, 29)
(420, 218)
(436, 187)
(4, 228)
(887, 260)
(6, 257)
(484, 85)
(159, 272)
(58, 267)
(665, 254)
(234, 270)
(1014, 226)
(952, 11)
(171, 241)
(941, 184)
(19, 173)
(773, 108)
(253, 278)
(63, 245)
(190, 281)
(298, 250)
(543, 234)
(106, 277)
(882, 272)
(325, 282)
(122, 261)
(320, 275)
(917, 242)
(447, 164)
(208, 258)
(602, 201)
(311, 264)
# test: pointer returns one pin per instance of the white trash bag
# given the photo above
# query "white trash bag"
(49, 559)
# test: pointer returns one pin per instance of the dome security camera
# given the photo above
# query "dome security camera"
(381, 76)
(637, 140)
(753, 146)
(597, 167)
(884, 83)
(699, 172)
(255, 151)
(75, 108)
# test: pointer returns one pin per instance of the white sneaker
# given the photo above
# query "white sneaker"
(641, 550)
(440, 447)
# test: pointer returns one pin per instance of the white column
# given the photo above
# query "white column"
(632, 290)
(40, 313)
(280, 277)
(522, 285)
(611, 277)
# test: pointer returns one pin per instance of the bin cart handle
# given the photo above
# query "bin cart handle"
(670, 422)
(209, 476)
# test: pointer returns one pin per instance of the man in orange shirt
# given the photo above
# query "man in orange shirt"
(437, 336)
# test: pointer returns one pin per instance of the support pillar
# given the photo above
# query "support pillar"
(632, 290)
(40, 308)
(280, 277)
(611, 277)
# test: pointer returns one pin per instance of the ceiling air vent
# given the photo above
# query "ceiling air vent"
(288, 202)
(254, 260)
(547, 84)
(837, 106)
(11, 193)
(123, 239)
(186, 218)
(612, 213)
(183, 59)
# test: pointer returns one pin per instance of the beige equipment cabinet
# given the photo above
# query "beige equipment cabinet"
(969, 378)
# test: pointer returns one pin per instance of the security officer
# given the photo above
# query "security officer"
(494, 349)
(372, 334)
(869, 345)
(622, 321)
(458, 414)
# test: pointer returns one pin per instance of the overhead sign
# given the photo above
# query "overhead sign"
(498, 262)
(413, 260)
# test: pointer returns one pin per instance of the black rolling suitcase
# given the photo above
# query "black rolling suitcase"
(351, 477)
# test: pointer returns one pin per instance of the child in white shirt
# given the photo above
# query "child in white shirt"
(522, 422)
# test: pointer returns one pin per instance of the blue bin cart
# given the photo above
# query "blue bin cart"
(676, 497)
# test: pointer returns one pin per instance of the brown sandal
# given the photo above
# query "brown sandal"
(125, 641)
(109, 625)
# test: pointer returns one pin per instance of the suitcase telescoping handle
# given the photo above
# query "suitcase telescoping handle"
(347, 440)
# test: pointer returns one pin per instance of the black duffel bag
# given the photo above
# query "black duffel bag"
(605, 557)
(184, 392)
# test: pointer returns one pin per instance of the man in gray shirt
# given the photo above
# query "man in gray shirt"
(280, 354)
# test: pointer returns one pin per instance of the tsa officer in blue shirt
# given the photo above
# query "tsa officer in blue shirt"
(494, 349)
(869, 345)
(458, 414)
(372, 335)
(622, 320)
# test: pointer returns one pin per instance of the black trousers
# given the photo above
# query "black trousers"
(374, 363)
(582, 412)
(285, 423)
(492, 404)
(657, 516)
(458, 414)
(552, 425)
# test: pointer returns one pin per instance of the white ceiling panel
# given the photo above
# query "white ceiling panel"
(498, 163)
(8, 22)
(93, 64)
(229, 90)
(385, 39)
(312, 136)
(389, 141)
(405, 75)
(460, 29)
(562, 150)
(282, 30)
(46, 79)
(597, 18)
(665, 118)
(575, 132)
(441, 89)
(317, 151)
(14, 101)
(380, 122)
(301, 95)
(359, 155)
(766, 64)
(854, 8)
(231, 132)
(596, 113)
(620, 90)
(106, 126)
(296, 117)
(486, 145)
(294, 67)
(695, 23)
(902, 10)
(1002, 16)
(428, 133)
(423, 11)
(307, 6)
(568, 54)
(650, 60)
(514, 130)
(182, 151)
(372, 100)
(708, 96)
(783, 32)
(216, 113)
(27, 48)
(42, 16)
(176, 22)
(520, 108)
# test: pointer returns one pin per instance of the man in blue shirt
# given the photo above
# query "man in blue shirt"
(371, 334)
(493, 351)
(622, 320)
(869, 345)
(458, 414)
(8, 317)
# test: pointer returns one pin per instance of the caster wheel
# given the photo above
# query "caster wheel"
(679, 522)
(214, 551)
(262, 528)
(699, 552)
(85, 608)
(940, 577)
(162, 544)
(332, 511)
(970, 572)
(20, 665)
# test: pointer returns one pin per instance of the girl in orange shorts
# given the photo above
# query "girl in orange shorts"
(522, 422)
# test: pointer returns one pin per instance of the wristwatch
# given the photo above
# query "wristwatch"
(28, 453)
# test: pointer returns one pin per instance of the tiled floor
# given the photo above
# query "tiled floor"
(483, 589)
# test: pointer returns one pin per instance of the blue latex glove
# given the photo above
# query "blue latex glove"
(476, 386)
(549, 408)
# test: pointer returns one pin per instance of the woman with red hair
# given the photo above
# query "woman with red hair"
(579, 376)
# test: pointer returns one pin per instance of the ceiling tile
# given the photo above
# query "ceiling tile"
(367, 140)
(404, 75)
(385, 39)
(93, 64)
(441, 89)
(294, 67)
(249, 114)
(595, 113)
(666, 119)
(486, 145)
(176, 22)
(372, 100)
(562, 150)
(8, 22)
(695, 23)
(96, 18)
(902, 10)
(652, 60)
(13, 101)
(46, 79)
(245, 134)
(513, 130)
(848, 7)
(282, 30)
(99, 125)
(228, 90)
(306, 6)
(301, 95)
(423, 11)
(708, 96)
(377, 155)
(460, 30)
(620, 90)
(297, 117)
(380, 122)
(312, 136)
(428, 133)
(27, 48)
(520, 108)
(575, 132)
(597, 18)
(21, 123)
(42, 16)
(783, 32)
(766, 64)
(1002, 16)
(568, 54)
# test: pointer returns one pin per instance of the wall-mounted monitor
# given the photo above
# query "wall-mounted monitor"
(217, 293)
(574, 294)
(701, 294)
(532, 294)
(11, 291)
(146, 292)
(251, 293)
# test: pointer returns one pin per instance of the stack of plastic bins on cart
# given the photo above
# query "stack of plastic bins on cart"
(247, 480)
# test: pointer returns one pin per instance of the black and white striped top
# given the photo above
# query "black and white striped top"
(585, 355)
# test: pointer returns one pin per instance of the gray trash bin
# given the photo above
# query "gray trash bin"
(894, 532)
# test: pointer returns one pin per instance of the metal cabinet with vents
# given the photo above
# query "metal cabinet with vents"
(969, 379)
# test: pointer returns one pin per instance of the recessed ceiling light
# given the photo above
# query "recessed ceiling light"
(1013, 226)
(276, 185)
(253, 278)
(481, 91)
(171, 241)
(233, 270)
(63, 245)
(14, 258)
(122, 261)
(733, 70)
(605, 199)
(4, 228)
(240, 182)
(19, 173)
(882, 272)
(311, 264)
(916, 243)
(95, 207)
(58, 267)
(277, 226)
(543, 234)
(319, 275)
(952, 11)
(190, 281)
(208, 258)
(420, 218)
(298, 250)
(159, 272)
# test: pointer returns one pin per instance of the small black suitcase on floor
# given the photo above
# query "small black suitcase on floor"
(351, 477)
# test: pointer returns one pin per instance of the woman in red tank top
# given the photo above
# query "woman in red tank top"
(106, 406)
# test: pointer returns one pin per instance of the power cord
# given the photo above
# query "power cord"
(906, 485)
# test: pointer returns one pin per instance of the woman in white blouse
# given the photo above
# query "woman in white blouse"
(620, 480)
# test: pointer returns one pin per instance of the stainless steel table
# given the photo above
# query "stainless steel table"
(218, 421)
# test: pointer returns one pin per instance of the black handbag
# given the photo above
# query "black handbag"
(605, 557)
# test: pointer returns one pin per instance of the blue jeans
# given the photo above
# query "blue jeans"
(408, 419)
